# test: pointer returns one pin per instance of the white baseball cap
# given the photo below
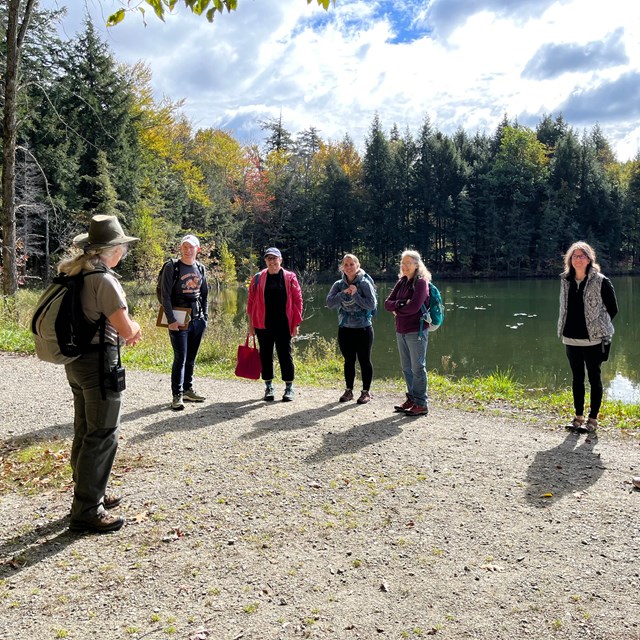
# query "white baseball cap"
(192, 240)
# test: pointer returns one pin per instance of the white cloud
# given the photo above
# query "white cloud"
(459, 61)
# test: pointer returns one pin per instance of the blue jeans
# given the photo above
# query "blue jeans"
(185, 349)
(413, 360)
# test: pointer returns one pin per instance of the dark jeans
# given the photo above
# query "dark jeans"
(591, 357)
(281, 339)
(185, 349)
(356, 343)
(96, 423)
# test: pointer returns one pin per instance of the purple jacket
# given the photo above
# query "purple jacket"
(405, 301)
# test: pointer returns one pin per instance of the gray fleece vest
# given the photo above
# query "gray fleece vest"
(596, 316)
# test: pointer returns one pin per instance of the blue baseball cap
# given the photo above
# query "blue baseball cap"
(272, 251)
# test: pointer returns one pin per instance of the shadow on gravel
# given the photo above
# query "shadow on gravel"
(564, 469)
(205, 415)
(356, 438)
(29, 548)
(300, 420)
(65, 430)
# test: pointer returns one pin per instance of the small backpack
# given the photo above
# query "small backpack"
(61, 331)
(434, 314)
(176, 275)
(374, 312)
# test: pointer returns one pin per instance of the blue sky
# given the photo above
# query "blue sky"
(462, 63)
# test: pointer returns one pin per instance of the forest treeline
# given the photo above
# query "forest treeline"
(92, 139)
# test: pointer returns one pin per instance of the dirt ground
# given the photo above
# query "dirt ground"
(315, 519)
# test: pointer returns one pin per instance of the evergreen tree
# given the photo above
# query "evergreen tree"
(380, 217)
(95, 103)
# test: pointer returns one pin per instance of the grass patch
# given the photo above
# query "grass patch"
(34, 467)
(30, 467)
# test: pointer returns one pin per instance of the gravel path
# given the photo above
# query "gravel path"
(315, 519)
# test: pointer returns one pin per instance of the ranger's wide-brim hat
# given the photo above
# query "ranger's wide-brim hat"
(104, 231)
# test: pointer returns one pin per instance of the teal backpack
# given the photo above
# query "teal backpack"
(434, 314)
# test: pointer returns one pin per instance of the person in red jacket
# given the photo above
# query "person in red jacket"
(274, 309)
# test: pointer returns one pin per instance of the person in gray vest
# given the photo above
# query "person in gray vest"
(184, 284)
(587, 307)
(96, 403)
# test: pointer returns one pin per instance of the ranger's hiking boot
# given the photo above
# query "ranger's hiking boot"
(102, 523)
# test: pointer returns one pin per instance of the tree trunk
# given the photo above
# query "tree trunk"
(15, 38)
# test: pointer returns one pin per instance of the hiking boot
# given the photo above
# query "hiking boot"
(192, 396)
(177, 404)
(365, 397)
(288, 394)
(111, 500)
(407, 404)
(417, 410)
(269, 395)
(346, 396)
(102, 523)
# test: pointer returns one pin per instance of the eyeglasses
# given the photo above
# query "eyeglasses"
(580, 256)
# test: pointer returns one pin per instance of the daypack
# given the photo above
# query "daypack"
(373, 312)
(60, 329)
(434, 314)
(176, 275)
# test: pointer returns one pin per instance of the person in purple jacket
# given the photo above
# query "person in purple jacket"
(405, 301)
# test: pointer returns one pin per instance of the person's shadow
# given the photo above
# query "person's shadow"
(569, 467)
(300, 420)
(357, 438)
(35, 545)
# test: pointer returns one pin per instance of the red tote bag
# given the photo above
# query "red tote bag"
(248, 365)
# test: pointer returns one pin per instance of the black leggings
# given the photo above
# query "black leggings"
(356, 343)
(267, 338)
(591, 357)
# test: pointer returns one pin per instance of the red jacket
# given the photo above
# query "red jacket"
(255, 302)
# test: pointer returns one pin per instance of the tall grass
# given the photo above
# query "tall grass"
(318, 363)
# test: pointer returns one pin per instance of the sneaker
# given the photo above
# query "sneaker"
(346, 396)
(269, 395)
(417, 410)
(192, 396)
(407, 404)
(288, 394)
(365, 397)
(111, 500)
(636, 481)
(177, 404)
(102, 523)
